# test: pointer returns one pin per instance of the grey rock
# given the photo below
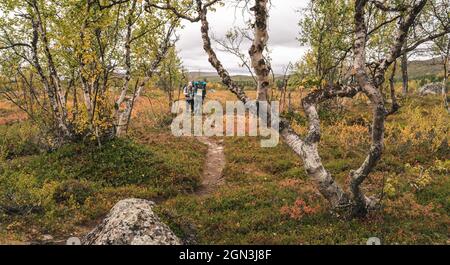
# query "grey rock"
(431, 89)
(132, 222)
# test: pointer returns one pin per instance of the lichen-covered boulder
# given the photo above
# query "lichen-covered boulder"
(431, 89)
(132, 222)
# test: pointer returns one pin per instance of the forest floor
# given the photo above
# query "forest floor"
(231, 190)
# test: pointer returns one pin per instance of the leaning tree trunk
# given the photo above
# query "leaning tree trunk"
(307, 149)
(51, 80)
(124, 116)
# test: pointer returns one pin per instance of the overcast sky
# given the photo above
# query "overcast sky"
(283, 30)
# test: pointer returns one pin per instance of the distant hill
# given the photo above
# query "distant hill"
(420, 69)
(214, 77)
(417, 69)
(200, 75)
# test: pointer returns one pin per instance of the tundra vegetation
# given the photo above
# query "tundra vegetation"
(87, 86)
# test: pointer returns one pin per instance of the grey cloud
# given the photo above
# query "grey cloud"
(283, 42)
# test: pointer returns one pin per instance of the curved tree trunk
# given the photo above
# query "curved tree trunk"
(307, 149)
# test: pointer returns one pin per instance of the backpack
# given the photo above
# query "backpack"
(203, 88)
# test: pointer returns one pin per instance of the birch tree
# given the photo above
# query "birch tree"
(64, 58)
(441, 46)
(366, 77)
(441, 49)
(171, 76)
(326, 28)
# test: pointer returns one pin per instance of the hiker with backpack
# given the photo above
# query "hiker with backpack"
(199, 96)
(188, 92)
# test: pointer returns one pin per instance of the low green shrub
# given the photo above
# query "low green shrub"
(79, 190)
(18, 139)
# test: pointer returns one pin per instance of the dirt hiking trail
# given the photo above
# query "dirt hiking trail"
(213, 168)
